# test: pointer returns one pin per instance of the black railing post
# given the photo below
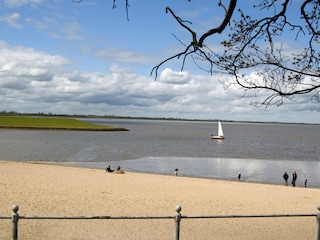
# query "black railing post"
(177, 219)
(317, 234)
(15, 219)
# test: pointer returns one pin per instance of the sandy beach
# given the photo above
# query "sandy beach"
(49, 190)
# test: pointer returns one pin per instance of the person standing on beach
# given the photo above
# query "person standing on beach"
(176, 172)
(239, 176)
(285, 177)
(294, 178)
(305, 183)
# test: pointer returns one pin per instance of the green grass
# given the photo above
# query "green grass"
(52, 123)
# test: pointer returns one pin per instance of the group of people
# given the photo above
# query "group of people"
(285, 176)
(293, 179)
(108, 169)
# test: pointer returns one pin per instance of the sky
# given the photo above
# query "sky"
(63, 57)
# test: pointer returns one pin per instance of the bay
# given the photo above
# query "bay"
(261, 152)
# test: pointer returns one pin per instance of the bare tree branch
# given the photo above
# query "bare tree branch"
(127, 7)
(226, 20)
(253, 54)
(195, 43)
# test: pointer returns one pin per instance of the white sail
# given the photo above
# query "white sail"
(220, 131)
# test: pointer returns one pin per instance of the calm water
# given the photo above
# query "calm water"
(261, 152)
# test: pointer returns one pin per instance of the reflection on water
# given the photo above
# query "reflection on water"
(252, 170)
(261, 152)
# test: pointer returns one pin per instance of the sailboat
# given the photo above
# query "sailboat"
(220, 133)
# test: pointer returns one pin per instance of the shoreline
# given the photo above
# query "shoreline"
(55, 190)
(183, 176)
(79, 165)
(150, 167)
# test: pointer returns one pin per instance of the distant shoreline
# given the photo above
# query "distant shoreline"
(44, 115)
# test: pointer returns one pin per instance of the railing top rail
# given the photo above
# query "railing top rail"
(95, 217)
(160, 217)
(253, 216)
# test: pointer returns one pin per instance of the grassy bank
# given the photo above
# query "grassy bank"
(52, 123)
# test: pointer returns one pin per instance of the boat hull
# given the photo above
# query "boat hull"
(217, 137)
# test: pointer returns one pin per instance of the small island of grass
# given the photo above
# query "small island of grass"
(52, 123)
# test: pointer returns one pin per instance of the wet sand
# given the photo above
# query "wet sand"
(48, 190)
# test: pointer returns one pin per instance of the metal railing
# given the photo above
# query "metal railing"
(177, 218)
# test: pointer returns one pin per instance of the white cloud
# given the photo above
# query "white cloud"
(40, 24)
(19, 3)
(11, 20)
(71, 31)
(122, 55)
(32, 81)
(19, 66)
(169, 76)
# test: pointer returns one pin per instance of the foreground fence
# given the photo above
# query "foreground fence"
(177, 218)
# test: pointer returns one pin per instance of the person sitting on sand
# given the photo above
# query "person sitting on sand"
(109, 169)
(119, 171)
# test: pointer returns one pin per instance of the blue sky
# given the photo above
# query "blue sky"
(63, 57)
